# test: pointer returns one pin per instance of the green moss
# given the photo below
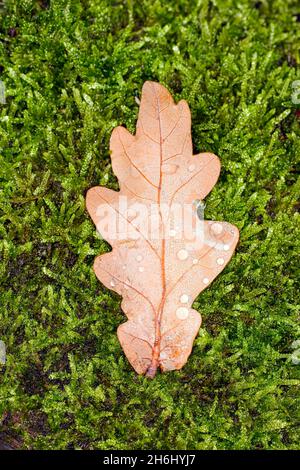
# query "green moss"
(71, 70)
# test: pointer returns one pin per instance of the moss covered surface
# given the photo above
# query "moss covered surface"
(71, 71)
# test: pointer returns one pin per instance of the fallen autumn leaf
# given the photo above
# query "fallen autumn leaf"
(163, 255)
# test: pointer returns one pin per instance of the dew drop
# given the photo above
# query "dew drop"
(124, 266)
(220, 261)
(172, 233)
(195, 261)
(184, 299)
(169, 168)
(182, 254)
(139, 258)
(226, 247)
(191, 167)
(217, 228)
(141, 269)
(112, 283)
(205, 280)
(182, 313)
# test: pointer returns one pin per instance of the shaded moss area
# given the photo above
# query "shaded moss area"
(71, 71)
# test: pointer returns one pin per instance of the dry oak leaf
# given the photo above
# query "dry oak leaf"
(163, 256)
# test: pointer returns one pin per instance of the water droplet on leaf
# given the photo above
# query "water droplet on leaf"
(169, 168)
(184, 298)
(217, 228)
(182, 313)
(182, 254)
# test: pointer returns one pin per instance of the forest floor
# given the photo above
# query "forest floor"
(70, 72)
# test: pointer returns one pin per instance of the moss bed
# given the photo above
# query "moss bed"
(71, 71)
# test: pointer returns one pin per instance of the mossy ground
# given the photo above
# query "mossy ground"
(71, 70)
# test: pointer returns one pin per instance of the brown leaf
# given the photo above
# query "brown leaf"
(163, 255)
